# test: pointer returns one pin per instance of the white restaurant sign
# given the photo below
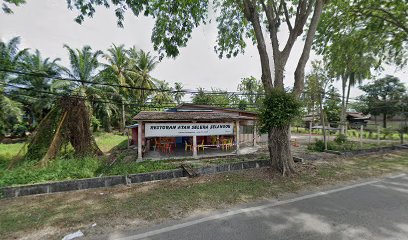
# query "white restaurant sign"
(188, 129)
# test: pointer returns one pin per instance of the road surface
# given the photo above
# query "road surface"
(371, 210)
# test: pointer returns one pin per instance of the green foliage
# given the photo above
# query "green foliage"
(19, 130)
(219, 98)
(383, 96)
(59, 169)
(11, 114)
(6, 5)
(121, 168)
(253, 92)
(163, 97)
(179, 92)
(8, 152)
(95, 123)
(318, 146)
(373, 27)
(316, 84)
(332, 106)
(342, 138)
(279, 109)
(38, 147)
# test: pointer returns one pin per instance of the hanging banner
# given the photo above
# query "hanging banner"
(188, 129)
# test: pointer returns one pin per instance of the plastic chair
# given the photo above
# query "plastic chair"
(168, 148)
(229, 144)
(224, 144)
(213, 140)
(187, 146)
(200, 146)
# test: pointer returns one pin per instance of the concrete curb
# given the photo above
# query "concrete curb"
(109, 181)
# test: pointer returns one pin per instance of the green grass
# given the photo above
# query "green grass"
(107, 141)
(64, 167)
(112, 208)
(122, 168)
(8, 152)
(58, 169)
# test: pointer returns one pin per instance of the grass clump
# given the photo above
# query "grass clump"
(58, 169)
(341, 145)
(124, 168)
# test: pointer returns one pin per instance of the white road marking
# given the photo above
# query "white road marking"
(398, 176)
(246, 210)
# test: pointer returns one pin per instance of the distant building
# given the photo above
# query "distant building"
(354, 119)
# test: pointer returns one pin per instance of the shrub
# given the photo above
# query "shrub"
(19, 130)
(317, 146)
(279, 109)
(342, 138)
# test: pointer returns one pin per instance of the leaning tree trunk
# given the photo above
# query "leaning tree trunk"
(280, 150)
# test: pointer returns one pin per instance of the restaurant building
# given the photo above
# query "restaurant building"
(193, 130)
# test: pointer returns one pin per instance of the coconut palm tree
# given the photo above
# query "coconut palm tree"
(178, 92)
(163, 96)
(37, 101)
(10, 59)
(84, 65)
(118, 65)
(117, 70)
(142, 63)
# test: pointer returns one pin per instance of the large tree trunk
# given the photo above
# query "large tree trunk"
(343, 103)
(280, 150)
(300, 68)
(384, 120)
(279, 138)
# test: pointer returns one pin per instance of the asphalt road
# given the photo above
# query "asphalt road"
(371, 210)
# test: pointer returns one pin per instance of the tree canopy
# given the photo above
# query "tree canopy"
(380, 25)
(384, 96)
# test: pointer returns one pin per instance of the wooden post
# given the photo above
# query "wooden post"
(361, 135)
(128, 134)
(378, 135)
(255, 135)
(139, 141)
(310, 132)
(237, 135)
(194, 145)
(123, 117)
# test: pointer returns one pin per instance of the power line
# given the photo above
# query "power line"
(33, 74)
(100, 100)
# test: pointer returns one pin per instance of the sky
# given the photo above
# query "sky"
(47, 25)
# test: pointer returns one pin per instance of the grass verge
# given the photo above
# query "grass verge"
(52, 216)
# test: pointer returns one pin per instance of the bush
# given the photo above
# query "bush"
(386, 132)
(342, 138)
(317, 146)
(19, 130)
(279, 109)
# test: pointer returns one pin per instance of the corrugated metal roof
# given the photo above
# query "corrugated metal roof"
(187, 116)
